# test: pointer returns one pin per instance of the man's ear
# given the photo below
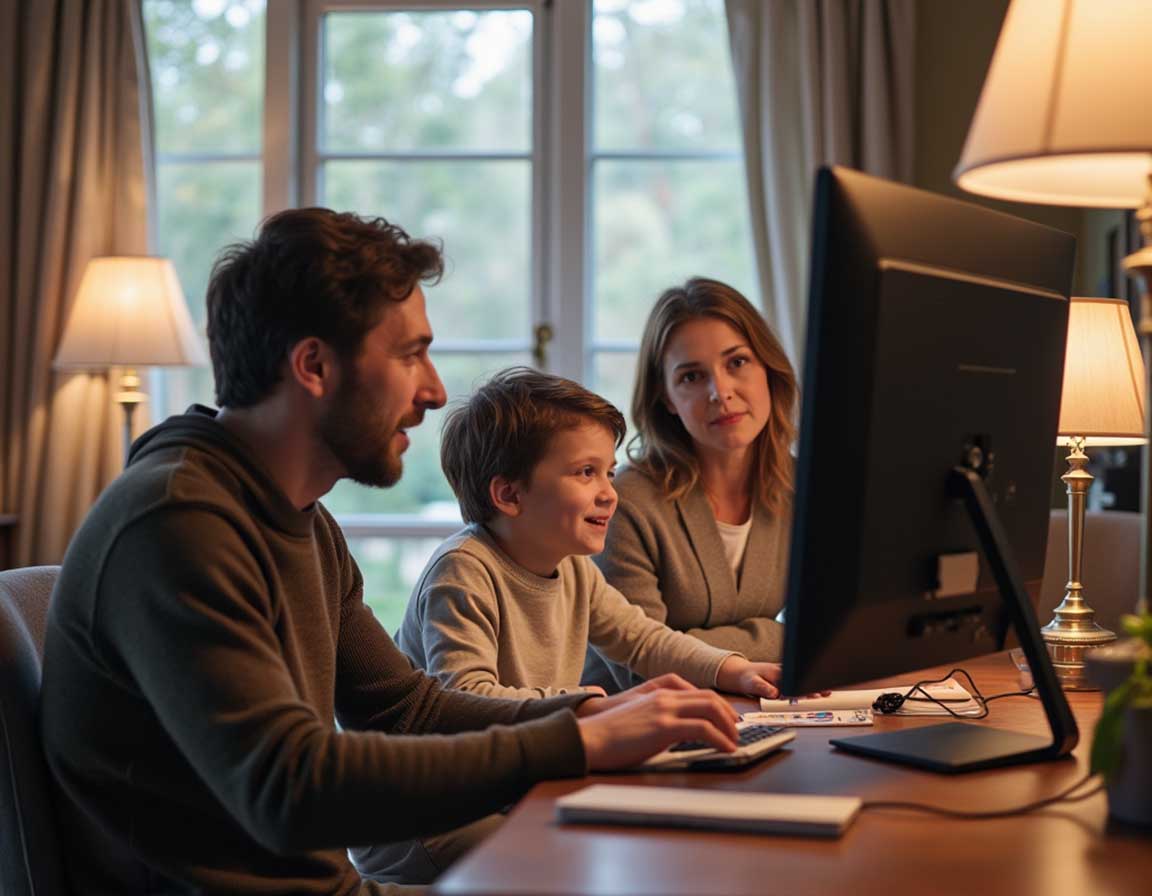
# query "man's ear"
(505, 495)
(312, 365)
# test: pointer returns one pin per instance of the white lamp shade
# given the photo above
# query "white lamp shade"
(129, 312)
(1103, 395)
(1064, 116)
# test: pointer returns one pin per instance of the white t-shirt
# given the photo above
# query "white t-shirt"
(735, 539)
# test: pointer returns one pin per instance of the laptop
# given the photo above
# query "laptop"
(757, 740)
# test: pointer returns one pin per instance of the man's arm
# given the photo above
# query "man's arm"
(186, 606)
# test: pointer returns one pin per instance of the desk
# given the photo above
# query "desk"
(1065, 849)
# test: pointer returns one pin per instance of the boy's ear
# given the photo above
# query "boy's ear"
(505, 495)
(312, 365)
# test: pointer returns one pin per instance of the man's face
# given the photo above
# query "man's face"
(383, 391)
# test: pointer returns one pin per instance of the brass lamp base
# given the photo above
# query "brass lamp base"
(1068, 644)
(1074, 631)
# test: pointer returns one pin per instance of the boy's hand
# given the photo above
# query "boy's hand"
(631, 730)
(739, 676)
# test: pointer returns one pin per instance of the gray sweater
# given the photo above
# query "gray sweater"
(668, 559)
(205, 638)
(480, 622)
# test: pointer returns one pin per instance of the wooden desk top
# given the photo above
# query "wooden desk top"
(1068, 848)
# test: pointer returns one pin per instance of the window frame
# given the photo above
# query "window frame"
(563, 157)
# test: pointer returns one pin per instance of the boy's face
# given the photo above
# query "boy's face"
(565, 508)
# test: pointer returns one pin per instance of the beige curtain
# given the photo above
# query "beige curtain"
(819, 82)
(74, 104)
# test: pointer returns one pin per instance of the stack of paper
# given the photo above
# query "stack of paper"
(812, 718)
(950, 692)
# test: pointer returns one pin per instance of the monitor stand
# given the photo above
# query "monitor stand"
(963, 746)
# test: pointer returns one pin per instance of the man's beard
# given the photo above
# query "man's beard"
(359, 438)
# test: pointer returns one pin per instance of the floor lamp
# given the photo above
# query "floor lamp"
(129, 312)
(1064, 119)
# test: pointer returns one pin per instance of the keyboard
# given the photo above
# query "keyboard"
(756, 741)
(748, 735)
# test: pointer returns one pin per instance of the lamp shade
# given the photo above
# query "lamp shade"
(1064, 116)
(1103, 396)
(129, 312)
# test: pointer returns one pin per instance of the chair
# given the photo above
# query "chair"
(1111, 567)
(29, 850)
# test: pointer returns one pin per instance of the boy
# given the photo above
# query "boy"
(507, 606)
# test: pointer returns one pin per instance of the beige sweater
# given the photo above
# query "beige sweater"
(668, 559)
(480, 622)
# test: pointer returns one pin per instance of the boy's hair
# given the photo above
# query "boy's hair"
(308, 272)
(504, 430)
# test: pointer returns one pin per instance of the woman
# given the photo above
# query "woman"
(700, 537)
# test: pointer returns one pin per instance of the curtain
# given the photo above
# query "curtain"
(74, 157)
(818, 82)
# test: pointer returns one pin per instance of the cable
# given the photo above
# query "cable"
(1065, 795)
(891, 702)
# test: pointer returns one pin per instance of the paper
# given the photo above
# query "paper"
(950, 692)
(824, 718)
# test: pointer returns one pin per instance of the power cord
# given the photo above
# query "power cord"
(1067, 795)
(891, 702)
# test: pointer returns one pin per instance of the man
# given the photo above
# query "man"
(208, 631)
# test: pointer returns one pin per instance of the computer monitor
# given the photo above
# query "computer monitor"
(931, 394)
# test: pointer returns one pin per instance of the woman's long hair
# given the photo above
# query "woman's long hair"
(662, 447)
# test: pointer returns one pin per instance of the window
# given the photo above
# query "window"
(576, 158)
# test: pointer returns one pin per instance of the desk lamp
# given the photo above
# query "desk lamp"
(1064, 119)
(1102, 404)
(129, 312)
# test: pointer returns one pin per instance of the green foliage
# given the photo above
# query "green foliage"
(1135, 693)
(444, 84)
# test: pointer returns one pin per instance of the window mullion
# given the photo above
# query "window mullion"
(281, 89)
(566, 297)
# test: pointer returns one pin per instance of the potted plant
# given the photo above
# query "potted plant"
(1122, 745)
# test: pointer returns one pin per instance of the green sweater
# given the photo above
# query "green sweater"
(204, 639)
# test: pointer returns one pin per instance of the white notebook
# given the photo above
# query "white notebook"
(721, 810)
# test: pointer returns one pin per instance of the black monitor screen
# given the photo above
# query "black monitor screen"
(935, 339)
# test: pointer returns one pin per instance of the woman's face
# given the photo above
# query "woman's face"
(716, 385)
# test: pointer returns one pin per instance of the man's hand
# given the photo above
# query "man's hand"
(632, 729)
(739, 676)
(670, 681)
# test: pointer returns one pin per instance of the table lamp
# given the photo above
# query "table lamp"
(1064, 119)
(129, 312)
(1102, 404)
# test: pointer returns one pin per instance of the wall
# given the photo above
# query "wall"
(955, 41)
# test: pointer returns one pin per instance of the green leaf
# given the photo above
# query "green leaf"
(1138, 626)
(1108, 742)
